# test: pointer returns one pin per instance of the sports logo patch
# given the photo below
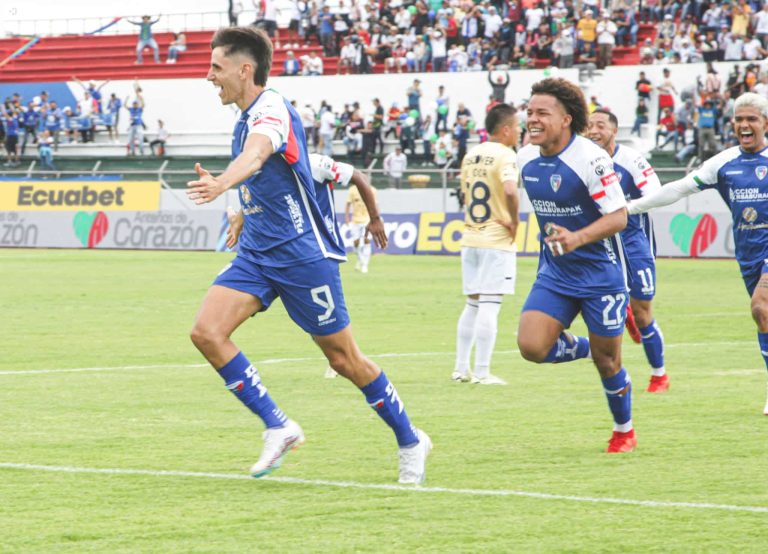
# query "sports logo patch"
(245, 194)
(555, 181)
(761, 171)
(600, 170)
(749, 214)
(237, 386)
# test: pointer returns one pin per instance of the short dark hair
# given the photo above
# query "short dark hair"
(250, 41)
(497, 116)
(570, 97)
(611, 116)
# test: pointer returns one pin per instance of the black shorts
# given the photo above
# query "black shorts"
(10, 143)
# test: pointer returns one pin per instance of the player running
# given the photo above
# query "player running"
(328, 174)
(286, 250)
(581, 208)
(740, 175)
(637, 178)
(488, 251)
(358, 222)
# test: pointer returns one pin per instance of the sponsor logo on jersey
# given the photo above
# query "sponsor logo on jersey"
(600, 170)
(761, 171)
(749, 214)
(530, 178)
(555, 181)
(647, 172)
(245, 194)
(609, 179)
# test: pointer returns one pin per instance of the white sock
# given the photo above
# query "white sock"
(658, 371)
(623, 427)
(465, 336)
(365, 254)
(486, 328)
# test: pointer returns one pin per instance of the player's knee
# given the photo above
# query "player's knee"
(608, 364)
(202, 336)
(760, 312)
(531, 349)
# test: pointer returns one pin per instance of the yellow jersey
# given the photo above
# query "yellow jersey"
(359, 211)
(483, 172)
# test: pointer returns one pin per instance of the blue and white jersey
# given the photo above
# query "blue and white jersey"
(327, 174)
(637, 178)
(283, 224)
(573, 189)
(742, 180)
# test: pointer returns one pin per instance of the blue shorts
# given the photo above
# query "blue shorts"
(752, 276)
(604, 314)
(642, 277)
(311, 293)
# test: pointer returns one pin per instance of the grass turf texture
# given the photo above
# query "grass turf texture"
(702, 442)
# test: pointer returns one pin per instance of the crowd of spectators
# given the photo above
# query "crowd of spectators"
(41, 122)
(695, 121)
(460, 35)
(426, 132)
(696, 31)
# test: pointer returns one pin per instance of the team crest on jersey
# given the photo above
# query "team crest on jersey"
(555, 181)
(246, 194)
(749, 214)
(761, 171)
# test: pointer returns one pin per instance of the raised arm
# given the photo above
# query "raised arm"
(668, 194)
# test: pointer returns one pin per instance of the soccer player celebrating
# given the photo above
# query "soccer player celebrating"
(488, 251)
(358, 224)
(739, 175)
(286, 250)
(581, 208)
(637, 179)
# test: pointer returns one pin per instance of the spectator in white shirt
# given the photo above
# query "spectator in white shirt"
(606, 39)
(493, 22)
(327, 128)
(734, 47)
(395, 165)
(313, 64)
(753, 49)
(533, 18)
(761, 25)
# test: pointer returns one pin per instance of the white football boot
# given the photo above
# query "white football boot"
(413, 460)
(489, 379)
(277, 443)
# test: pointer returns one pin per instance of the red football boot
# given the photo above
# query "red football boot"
(658, 383)
(622, 442)
(631, 326)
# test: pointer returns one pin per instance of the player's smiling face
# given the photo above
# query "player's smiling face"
(548, 124)
(601, 131)
(226, 73)
(750, 127)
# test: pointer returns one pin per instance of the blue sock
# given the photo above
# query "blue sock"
(762, 338)
(565, 351)
(243, 380)
(653, 344)
(619, 402)
(383, 398)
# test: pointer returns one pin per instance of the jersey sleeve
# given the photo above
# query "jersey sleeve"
(509, 168)
(644, 176)
(603, 185)
(707, 175)
(325, 168)
(269, 117)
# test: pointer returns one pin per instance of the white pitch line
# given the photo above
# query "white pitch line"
(399, 488)
(271, 361)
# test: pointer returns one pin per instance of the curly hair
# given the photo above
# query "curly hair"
(570, 97)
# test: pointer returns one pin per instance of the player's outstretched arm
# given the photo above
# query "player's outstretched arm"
(668, 194)
(207, 188)
(376, 226)
(561, 240)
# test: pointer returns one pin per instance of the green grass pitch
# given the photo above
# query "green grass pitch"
(703, 443)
